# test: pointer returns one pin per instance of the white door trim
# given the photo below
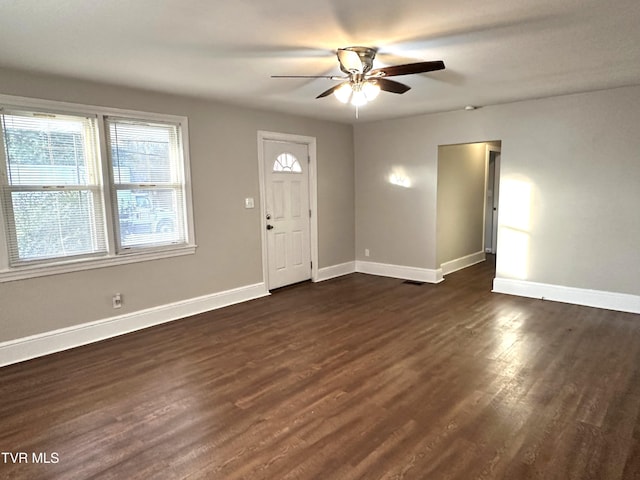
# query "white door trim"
(489, 150)
(313, 197)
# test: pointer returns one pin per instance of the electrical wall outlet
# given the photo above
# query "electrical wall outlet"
(366, 252)
(117, 300)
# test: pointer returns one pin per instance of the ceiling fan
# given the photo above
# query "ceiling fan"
(362, 83)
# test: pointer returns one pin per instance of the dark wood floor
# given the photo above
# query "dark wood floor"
(360, 377)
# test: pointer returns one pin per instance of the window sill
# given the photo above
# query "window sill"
(22, 273)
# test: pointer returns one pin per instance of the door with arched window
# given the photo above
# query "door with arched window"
(287, 212)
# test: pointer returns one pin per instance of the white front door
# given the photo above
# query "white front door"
(287, 212)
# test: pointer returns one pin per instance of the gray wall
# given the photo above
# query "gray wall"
(460, 201)
(577, 156)
(224, 168)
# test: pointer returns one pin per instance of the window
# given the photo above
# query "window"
(287, 163)
(52, 196)
(81, 189)
(147, 174)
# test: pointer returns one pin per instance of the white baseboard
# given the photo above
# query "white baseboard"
(400, 271)
(45, 343)
(334, 271)
(462, 262)
(579, 296)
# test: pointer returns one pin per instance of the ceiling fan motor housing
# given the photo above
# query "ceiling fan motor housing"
(366, 55)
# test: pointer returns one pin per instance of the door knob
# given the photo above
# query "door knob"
(269, 227)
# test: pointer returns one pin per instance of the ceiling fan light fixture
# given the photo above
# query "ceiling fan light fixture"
(343, 92)
(371, 90)
(359, 98)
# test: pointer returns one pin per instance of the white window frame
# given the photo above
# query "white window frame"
(113, 257)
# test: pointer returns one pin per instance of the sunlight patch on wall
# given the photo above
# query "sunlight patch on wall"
(399, 177)
(514, 253)
(514, 229)
(515, 211)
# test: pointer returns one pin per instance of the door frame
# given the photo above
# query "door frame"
(310, 142)
(491, 149)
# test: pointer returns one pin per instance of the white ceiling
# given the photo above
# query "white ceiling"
(495, 51)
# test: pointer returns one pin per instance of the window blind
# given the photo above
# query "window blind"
(148, 187)
(51, 187)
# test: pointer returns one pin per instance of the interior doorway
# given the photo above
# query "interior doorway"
(467, 204)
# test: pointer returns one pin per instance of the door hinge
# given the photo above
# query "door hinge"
(308, 158)
(309, 213)
(311, 263)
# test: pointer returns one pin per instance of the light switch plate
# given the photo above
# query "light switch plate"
(248, 202)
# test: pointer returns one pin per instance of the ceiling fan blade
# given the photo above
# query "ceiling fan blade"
(409, 68)
(392, 86)
(330, 77)
(326, 93)
(350, 61)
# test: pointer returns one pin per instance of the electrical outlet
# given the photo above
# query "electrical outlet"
(366, 252)
(117, 300)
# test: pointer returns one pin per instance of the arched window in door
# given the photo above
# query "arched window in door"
(287, 163)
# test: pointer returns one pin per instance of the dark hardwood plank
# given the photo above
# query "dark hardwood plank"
(359, 377)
